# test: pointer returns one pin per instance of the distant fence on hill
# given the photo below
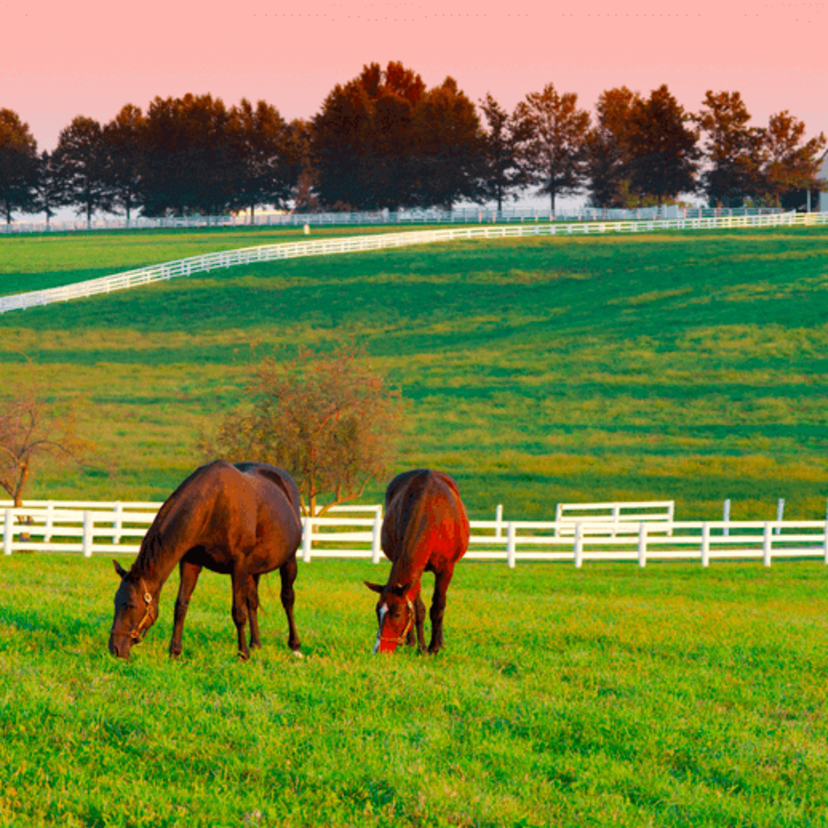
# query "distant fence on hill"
(383, 241)
(463, 215)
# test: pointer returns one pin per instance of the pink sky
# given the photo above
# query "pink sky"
(90, 57)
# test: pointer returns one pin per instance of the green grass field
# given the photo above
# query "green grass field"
(666, 366)
(670, 696)
(686, 366)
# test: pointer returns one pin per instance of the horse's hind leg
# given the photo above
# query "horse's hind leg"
(239, 577)
(438, 608)
(189, 578)
(253, 610)
(288, 572)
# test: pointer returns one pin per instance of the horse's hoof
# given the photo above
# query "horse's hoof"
(297, 654)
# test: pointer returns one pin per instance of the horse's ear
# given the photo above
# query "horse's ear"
(119, 569)
(374, 587)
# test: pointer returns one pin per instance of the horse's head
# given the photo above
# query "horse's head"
(135, 612)
(395, 614)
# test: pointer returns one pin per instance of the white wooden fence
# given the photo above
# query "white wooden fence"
(379, 241)
(612, 515)
(458, 215)
(118, 529)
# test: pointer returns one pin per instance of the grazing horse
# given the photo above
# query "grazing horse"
(242, 520)
(425, 530)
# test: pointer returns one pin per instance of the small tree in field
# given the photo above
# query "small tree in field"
(32, 431)
(329, 420)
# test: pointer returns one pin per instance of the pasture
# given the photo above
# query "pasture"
(687, 367)
(682, 366)
(670, 696)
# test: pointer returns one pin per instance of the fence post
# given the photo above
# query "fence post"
(642, 544)
(47, 529)
(7, 533)
(726, 517)
(375, 539)
(825, 543)
(780, 511)
(306, 539)
(766, 544)
(511, 536)
(88, 534)
(118, 522)
(499, 521)
(616, 514)
(705, 550)
(579, 545)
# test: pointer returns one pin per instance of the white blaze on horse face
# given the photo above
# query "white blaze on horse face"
(383, 611)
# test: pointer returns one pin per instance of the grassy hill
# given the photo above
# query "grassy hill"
(686, 366)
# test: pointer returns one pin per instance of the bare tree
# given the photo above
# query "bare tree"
(33, 431)
(329, 420)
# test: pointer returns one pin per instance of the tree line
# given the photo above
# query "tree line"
(386, 141)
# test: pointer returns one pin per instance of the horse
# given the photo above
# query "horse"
(425, 530)
(242, 520)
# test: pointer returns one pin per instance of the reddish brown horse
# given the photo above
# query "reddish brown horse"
(240, 520)
(425, 530)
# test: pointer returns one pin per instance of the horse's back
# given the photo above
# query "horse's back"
(222, 510)
(278, 477)
(279, 521)
(425, 519)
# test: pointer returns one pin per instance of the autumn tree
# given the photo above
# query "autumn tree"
(329, 420)
(502, 172)
(664, 155)
(302, 173)
(190, 160)
(261, 145)
(48, 191)
(124, 142)
(18, 165)
(788, 161)
(608, 149)
(732, 150)
(33, 432)
(447, 146)
(80, 167)
(554, 150)
(361, 140)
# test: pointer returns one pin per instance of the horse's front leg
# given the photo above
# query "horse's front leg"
(419, 621)
(288, 572)
(239, 577)
(438, 608)
(253, 610)
(189, 577)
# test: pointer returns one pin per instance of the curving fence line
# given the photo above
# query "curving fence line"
(265, 253)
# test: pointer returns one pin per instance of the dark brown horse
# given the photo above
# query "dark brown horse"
(241, 520)
(425, 530)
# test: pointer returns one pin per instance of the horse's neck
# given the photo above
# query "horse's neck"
(155, 565)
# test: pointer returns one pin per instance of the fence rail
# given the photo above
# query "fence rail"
(90, 531)
(381, 241)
